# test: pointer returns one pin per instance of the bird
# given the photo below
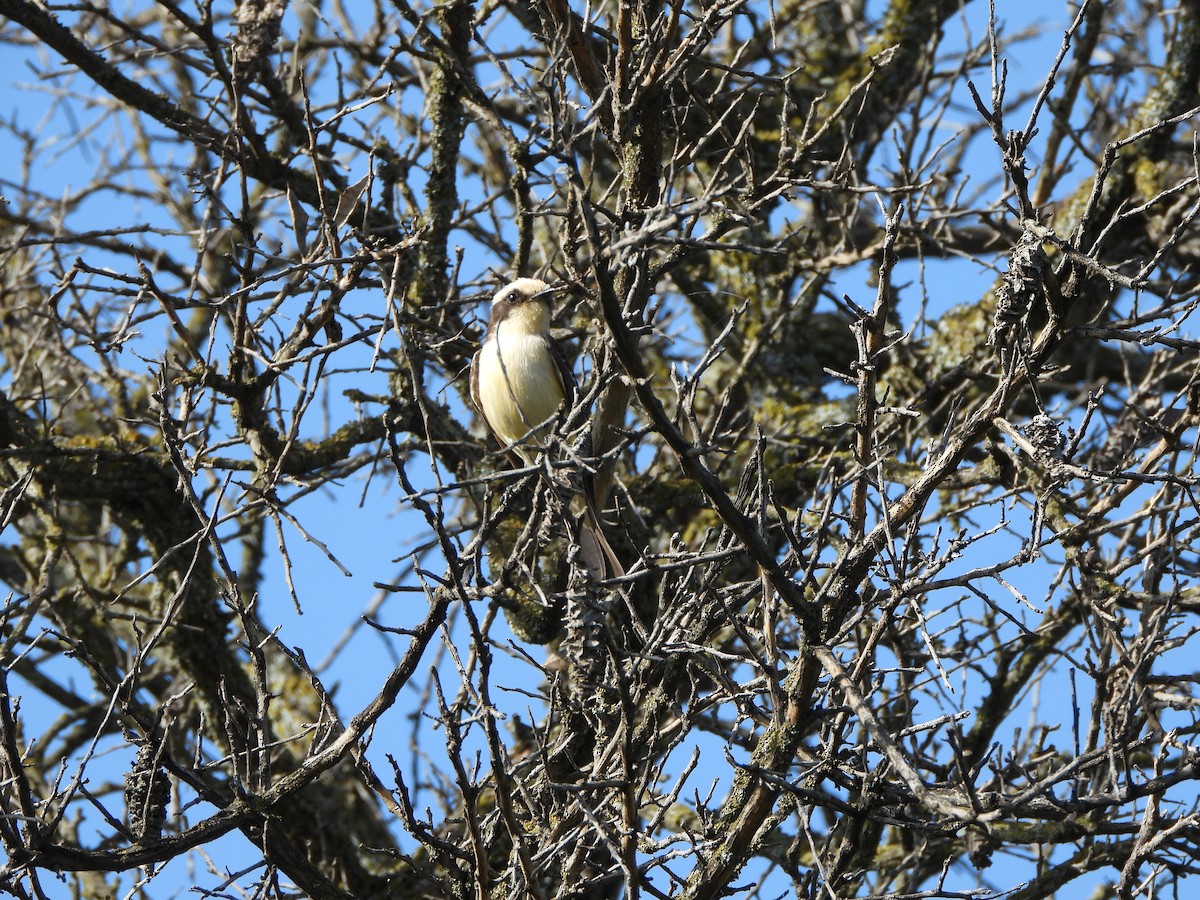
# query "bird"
(520, 381)
(520, 378)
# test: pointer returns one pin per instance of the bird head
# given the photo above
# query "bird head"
(523, 303)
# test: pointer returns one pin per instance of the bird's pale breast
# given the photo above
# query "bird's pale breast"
(519, 384)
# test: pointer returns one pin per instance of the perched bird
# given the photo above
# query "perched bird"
(519, 377)
(520, 380)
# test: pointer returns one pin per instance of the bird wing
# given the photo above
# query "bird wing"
(475, 401)
(475, 381)
(566, 378)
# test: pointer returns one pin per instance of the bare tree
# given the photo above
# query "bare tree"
(888, 388)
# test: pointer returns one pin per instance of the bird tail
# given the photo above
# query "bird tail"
(595, 552)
